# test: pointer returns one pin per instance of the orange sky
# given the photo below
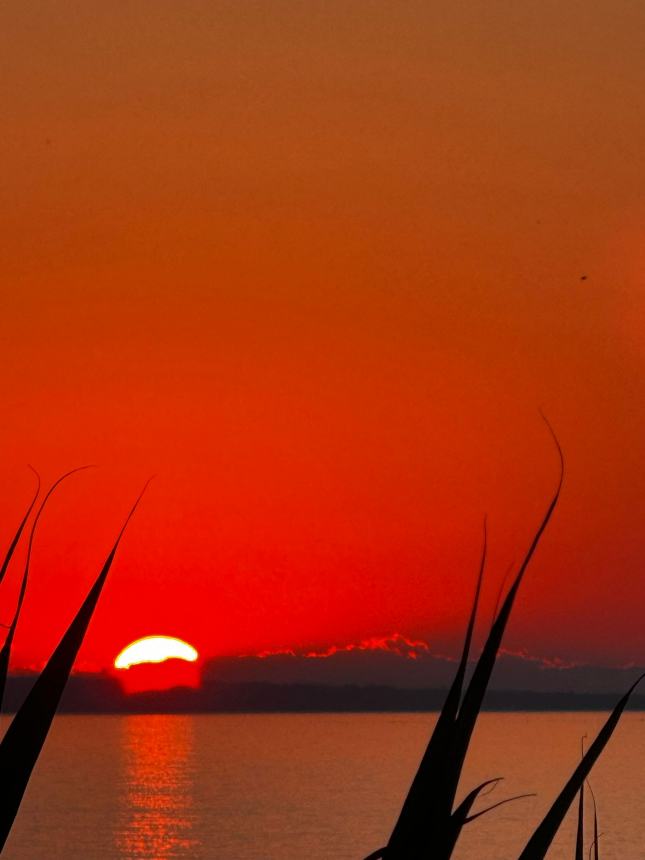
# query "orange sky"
(317, 265)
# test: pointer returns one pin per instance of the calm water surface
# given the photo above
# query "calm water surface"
(288, 787)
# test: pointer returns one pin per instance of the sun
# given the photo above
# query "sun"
(157, 663)
(155, 649)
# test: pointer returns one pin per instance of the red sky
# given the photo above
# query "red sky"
(316, 266)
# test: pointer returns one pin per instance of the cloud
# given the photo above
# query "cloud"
(399, 661)
(395, 643)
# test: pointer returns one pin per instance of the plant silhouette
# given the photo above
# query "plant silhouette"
(24, 739)
(429, 823)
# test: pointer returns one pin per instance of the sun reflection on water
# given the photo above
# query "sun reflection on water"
(157, 818)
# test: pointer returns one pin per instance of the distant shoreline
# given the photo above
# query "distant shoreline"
(96, 694)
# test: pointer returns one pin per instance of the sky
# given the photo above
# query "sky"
(317, 266)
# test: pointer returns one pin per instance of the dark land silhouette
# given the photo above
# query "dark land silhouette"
(102, 694)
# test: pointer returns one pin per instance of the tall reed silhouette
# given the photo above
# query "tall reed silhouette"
(430, 822)
(26, 734)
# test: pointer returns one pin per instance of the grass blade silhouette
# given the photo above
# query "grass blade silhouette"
(498, 804)
(474, 695)
(461, 816)
(463, 810)
(476, 690)
(426, 826)
(594, 847)
(538, 845)
(5, 651)
(594, 844)
(580, 830)
(429, 828)
(20, 529)
(426, 800)
(24, 739)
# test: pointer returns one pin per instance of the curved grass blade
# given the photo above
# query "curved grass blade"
(580, 831)
(476, 690)
(500, 591)
(24, 739)
(580, 848)
(594, 844)
(496, 805)
(5, 651)
(539, 843)
(594, 848)
(461, 812)
(461, 816)
(425, 825)
(20, 529)
(446, 839)
(426, 800)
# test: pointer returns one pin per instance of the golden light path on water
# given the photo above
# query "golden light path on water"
(157, 808)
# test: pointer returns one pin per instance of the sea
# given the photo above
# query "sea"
(314, 786)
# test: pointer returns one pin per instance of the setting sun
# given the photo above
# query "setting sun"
(155, 649)
(157, 663)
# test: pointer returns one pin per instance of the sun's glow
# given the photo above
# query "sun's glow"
(155, 649)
